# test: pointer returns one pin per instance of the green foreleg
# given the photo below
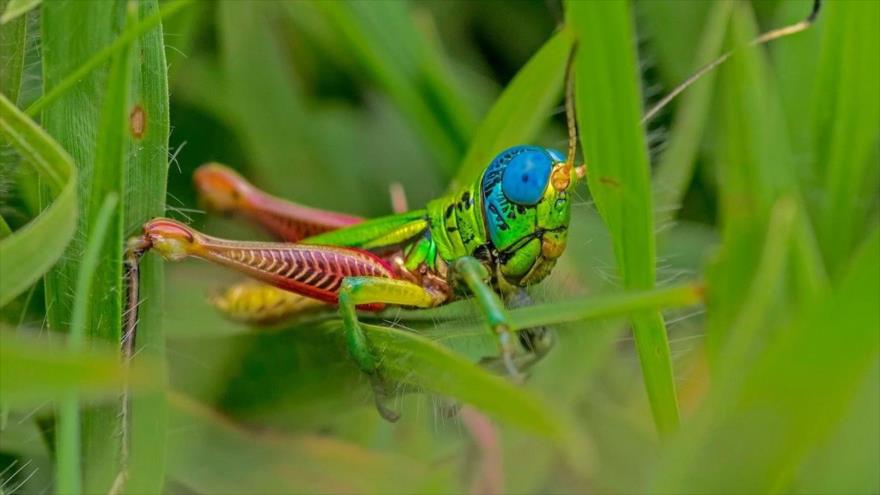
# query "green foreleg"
(356, 291)
(475, 276)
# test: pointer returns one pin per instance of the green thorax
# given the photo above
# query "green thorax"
(456, 223)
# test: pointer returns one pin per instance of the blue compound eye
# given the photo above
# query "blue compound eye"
(525, 177)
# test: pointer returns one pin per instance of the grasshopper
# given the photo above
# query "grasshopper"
(490, 240)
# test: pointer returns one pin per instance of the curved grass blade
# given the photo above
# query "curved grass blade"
(524, 106)
(609, 111)
(31, 251)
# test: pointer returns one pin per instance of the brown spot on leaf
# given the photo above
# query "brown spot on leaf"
(608, 181)
(137, 121)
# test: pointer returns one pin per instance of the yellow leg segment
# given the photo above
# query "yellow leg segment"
(262, 304)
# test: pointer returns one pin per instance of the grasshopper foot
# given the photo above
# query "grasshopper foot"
(381, 397)
(505, 342)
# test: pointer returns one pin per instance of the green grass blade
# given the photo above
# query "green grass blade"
(68, 436)
(13, 37)
(382, 38)
(31, 251)
(145, 186)
(846, 126)
(522, 109)
(755, 168)
(609, 110)
(15, 10)
(605, 306)
(65, 45)
(34, 371)
(677, 164)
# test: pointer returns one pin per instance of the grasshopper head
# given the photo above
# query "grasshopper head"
(527, 206)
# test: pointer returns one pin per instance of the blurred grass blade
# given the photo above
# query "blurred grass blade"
(846, 126)
(16, 9)
(673, 31)
(796, 65)
(67, 438)
(382, 38)
(211, 454)
(267, 104)
(754, 169)
(31, 251)
(34, 371)
(676, 168)
(609, 111)
(525, 105)
(145, 186)
(782, 408)
(5, 231)
(13, 40)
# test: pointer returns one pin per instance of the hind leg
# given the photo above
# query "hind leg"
(223, 190)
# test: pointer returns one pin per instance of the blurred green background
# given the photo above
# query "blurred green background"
(763, 186)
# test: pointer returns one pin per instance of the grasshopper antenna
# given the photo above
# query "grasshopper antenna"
(570, 119)
(760, 40)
